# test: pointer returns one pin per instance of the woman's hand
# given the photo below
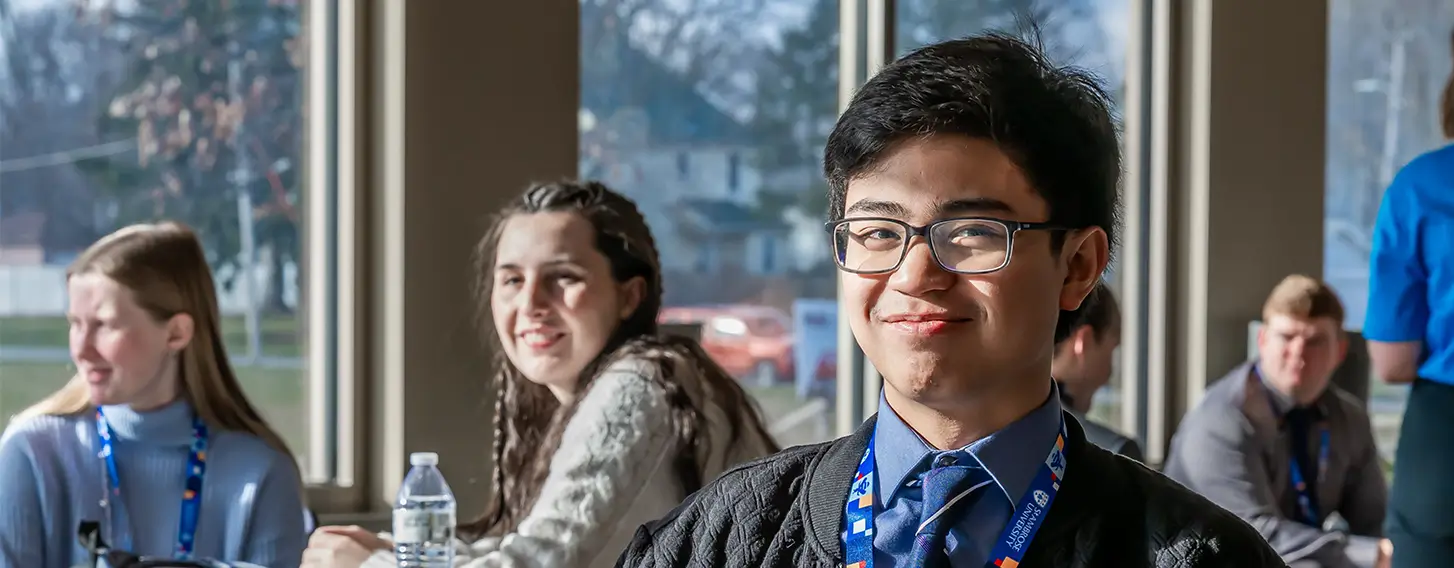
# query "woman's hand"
(342, 547)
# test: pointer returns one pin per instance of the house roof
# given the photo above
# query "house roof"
(727, 216)
(616, 76)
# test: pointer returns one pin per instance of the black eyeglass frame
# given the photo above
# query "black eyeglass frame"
(923, 231)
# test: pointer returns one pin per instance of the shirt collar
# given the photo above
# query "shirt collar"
(1281, 402)
(1012, 455)
(170, 425)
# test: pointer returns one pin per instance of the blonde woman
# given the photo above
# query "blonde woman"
(153, 437)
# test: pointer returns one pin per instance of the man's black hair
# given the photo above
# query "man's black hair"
(1053, 121)
(1101, 311)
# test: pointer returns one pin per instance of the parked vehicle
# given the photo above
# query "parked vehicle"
(753, 343)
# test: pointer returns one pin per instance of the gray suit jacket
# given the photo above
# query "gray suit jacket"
(1100, 435)
(1233, 450)
(1108, 439)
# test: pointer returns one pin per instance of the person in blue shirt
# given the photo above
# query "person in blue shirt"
(153, 437)
(972, 208)
(1409, 326)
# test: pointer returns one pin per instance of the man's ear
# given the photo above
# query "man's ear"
(1342, 348)
(1081, 340)
(1086, 253)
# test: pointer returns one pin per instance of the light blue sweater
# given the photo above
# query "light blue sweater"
(51, 479)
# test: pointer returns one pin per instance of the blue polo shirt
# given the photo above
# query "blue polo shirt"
(1411, 269)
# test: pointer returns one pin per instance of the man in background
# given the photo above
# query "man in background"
(1083, 363)
(1276, 443)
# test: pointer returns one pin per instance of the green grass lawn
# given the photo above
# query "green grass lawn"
(277, 393)
(282, 336)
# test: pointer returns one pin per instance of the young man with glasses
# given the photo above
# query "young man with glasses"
(973, 200)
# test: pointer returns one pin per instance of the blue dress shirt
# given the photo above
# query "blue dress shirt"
(901, 458)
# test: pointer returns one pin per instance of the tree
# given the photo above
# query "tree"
(631, 49)
(921, 22)
(702, 41)
(212, 93)
(1386, 68)
(796, 104)
(51, 71)
(797, 81)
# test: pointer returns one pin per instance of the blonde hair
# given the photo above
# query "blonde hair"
(164, 267)
(1303, 297)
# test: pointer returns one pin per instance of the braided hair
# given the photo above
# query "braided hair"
(529, 420)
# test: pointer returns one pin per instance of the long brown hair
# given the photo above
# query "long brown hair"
(529, 420)
(1446, 100)
(165, 269)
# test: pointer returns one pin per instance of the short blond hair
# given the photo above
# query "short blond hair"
(1303, 297)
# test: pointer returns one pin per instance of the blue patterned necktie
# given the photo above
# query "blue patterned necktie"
(949, 491)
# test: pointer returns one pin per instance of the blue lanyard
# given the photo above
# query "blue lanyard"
(1013, 542)
(1306, 502)
(191, 492)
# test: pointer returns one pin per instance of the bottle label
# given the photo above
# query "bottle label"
(422, 525)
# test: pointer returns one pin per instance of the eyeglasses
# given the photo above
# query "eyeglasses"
(966, 245)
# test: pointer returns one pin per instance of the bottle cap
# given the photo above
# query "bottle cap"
(423, 458)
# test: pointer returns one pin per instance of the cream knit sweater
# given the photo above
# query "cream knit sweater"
(611, 474)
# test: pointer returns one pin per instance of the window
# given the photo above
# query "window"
(1385, 72)
(734, 180)
(769, 254)
(706, 255)
(755, 86)
(1091, 35)
(108, 119)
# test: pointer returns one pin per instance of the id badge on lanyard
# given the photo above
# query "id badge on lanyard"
(191, 489)
(1014, 540)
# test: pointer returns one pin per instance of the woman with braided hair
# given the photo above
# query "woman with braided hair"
(602, 424)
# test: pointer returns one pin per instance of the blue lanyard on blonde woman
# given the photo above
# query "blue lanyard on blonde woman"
(1013, 542)
(191, 489)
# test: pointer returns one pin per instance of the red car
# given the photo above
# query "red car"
(753, 343)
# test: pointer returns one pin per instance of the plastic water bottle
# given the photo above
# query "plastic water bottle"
(424, 516)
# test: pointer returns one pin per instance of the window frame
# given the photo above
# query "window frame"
(337, 459)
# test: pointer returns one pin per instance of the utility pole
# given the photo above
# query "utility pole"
(242, 183)
(1392, 117)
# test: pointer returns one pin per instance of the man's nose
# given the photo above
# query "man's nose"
(920, 273)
